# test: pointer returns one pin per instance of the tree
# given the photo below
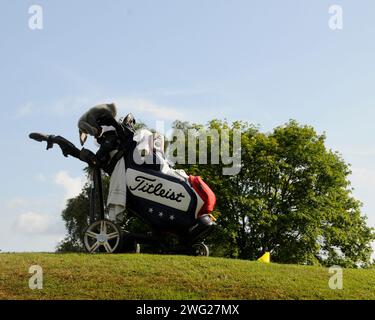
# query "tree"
(292, 197)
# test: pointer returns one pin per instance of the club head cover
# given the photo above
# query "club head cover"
(88, 123)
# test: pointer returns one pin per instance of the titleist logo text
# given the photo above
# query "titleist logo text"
(148, 185)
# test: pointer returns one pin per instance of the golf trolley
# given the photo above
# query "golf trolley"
(165, 203)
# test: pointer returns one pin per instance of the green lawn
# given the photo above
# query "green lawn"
(141, 276)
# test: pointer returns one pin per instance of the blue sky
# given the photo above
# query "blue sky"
(264, 62)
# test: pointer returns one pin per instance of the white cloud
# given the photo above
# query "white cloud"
(16, 202)
(69, 105)
(141, 106)
(72, 186)
(60, 107)
(176, 92)
(32, 223)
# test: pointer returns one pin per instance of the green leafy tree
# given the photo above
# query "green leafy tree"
(292, 197)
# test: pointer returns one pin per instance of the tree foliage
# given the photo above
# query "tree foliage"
(292, 197)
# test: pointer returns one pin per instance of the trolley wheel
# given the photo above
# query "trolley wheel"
(102, 236)
(200, 249)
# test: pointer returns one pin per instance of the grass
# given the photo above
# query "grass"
(142, 276)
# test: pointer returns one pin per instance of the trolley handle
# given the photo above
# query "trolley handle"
(40, 137)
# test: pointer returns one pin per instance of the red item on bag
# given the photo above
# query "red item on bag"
(206, 194)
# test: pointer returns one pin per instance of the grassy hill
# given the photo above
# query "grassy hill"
(132, 276)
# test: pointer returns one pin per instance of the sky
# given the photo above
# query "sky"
(261, 61)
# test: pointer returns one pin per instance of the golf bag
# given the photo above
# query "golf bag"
(168, 202)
